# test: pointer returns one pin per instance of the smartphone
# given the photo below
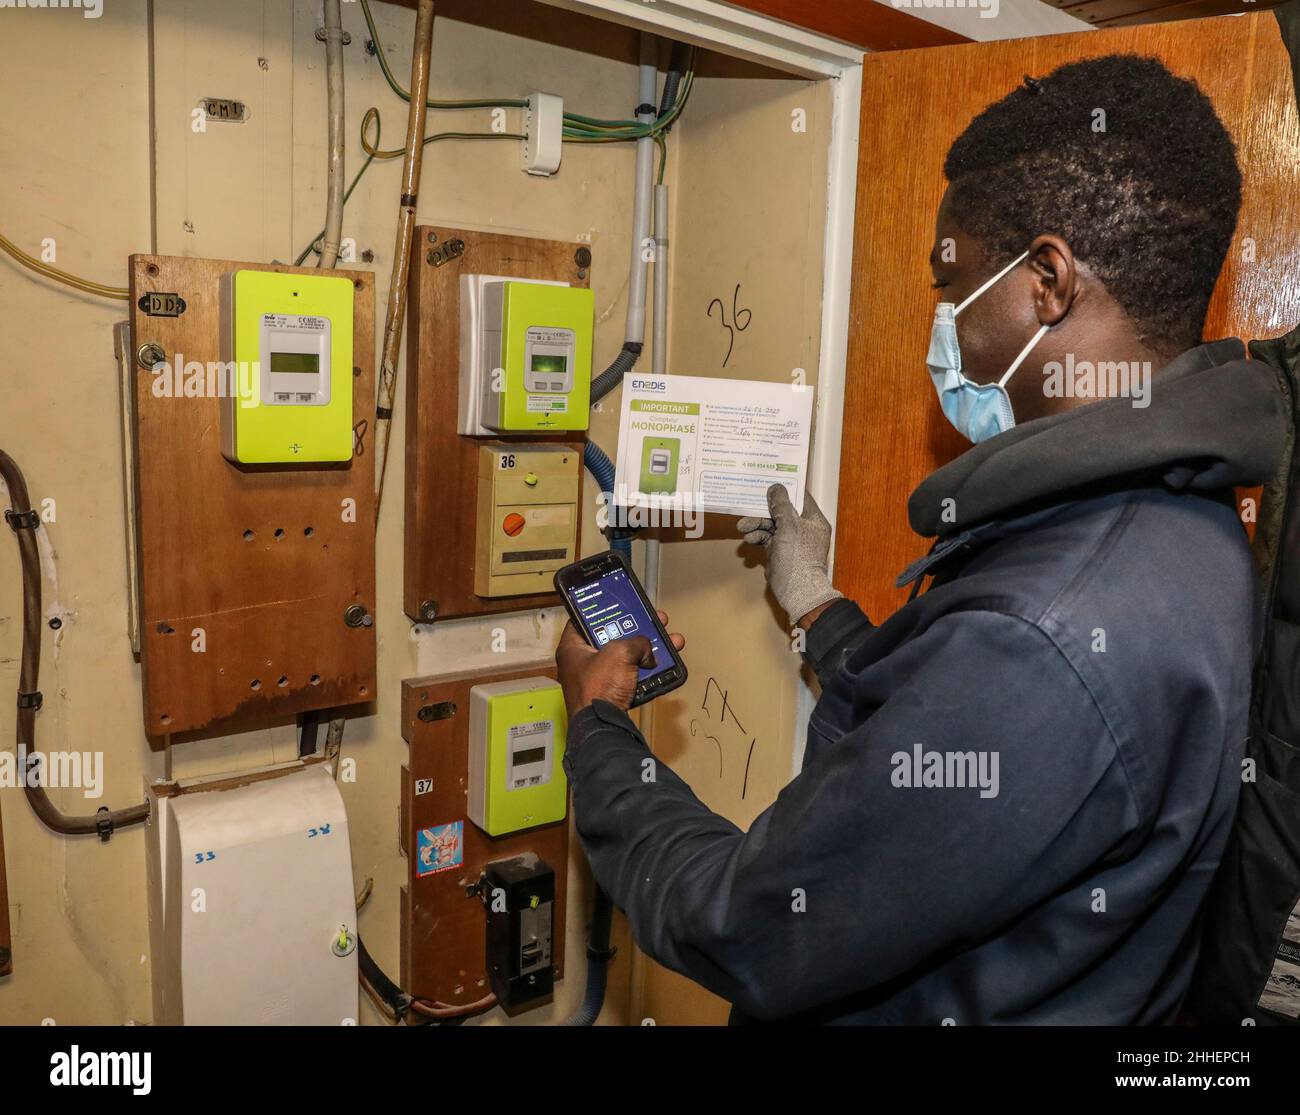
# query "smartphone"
(606, 602)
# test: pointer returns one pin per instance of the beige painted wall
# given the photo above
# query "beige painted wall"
(77, 168)
(761, 226)
(750, 202)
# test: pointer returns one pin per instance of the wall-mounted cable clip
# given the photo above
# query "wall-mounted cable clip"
(22, 520)
(32, 700)
(104, 823)
(602, 956)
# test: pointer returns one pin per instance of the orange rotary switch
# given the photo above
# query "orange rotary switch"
(513, 524)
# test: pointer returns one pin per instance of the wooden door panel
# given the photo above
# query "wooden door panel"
(915, 103)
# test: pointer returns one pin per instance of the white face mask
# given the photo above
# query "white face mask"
(977, 410)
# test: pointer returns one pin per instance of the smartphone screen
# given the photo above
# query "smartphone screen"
(610, 607)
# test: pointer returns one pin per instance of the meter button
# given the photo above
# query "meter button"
(531, 479)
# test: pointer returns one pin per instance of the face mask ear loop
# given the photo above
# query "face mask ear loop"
(991, 281)
(1021, 358)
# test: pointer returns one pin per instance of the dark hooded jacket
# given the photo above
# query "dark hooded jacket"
(1016, 789)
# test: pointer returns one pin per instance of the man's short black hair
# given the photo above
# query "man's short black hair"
(1149, 203)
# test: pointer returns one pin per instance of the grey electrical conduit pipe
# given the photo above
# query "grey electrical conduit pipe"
(23, 521)
(334, 97)
(634, 334)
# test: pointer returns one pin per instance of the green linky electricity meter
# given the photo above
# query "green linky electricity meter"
(536, 352)
(290, 339)
(516, 744)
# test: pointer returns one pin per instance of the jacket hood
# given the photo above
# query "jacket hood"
(1216, 420)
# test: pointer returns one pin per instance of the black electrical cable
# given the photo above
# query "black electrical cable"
(403, 1007)
(309, 722)
(677, 66)
(393, 997)
(23, 521)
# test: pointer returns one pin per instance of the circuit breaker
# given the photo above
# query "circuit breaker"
(519, 896)
(527, 516)
(516, 748)
(526, 355)
(287, 345)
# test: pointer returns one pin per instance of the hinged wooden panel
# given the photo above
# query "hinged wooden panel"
(915, 103)
(265, 560)
(1116, 13)
(442, 466)
(443, 927)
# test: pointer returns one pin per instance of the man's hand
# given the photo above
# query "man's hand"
(609, 673)
(798, 550)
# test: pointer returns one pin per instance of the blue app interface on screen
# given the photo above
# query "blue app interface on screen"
(611, 609)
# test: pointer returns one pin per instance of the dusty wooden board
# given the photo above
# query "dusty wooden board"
(441, 465)
(443, 927)
(271, 605)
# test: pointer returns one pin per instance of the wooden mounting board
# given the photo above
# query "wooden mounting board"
(209, 557)
(441, 465)
(443, 928)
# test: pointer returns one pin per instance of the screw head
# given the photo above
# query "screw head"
(582, 257)
(355, 615)
(55, 623)
(150, 354)
(429, 610)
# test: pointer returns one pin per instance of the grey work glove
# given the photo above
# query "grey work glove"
(798, 549)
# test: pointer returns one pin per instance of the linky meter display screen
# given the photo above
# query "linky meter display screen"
(611, 608)
(295, 362)
(550, 365)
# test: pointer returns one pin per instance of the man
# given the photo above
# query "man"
(1016, 788)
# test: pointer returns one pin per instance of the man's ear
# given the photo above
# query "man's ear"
(1056, 278)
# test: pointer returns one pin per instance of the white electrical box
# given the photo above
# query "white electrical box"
(476, 363)
(543, 145)
(252, 907)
